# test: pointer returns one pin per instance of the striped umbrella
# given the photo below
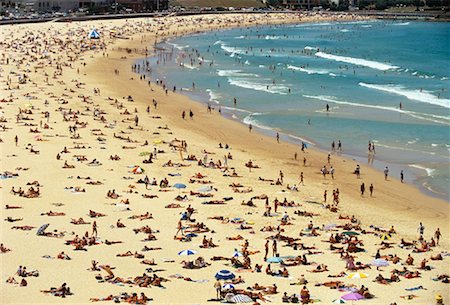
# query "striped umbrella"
(187, 252)
(385, 237)
(228, 286)
(224, 275)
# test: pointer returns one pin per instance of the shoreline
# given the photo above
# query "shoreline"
(92, 92)
(416, 174)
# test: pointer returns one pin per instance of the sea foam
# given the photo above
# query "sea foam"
(357, 61)
(416, 95)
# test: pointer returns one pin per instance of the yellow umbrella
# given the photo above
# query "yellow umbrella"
(357, 275)
(385, 237)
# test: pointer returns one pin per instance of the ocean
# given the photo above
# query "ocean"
(383, 81)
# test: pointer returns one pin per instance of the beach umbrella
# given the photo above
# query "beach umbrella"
(241, 298)
(179, 186)
(357, 275)
(228, 286)
(353, 296)
(379, 262)
(144, 153)
(237, 253)
(274, 259)
(191, 235)
(350, 233)
(187, 252)
(41, 229)
(385, 237)
(158, 141)
(224, 275)
(339, 301)
(137, 170)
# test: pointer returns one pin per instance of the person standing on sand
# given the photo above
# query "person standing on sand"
(371, 189)
(281, 176)
(136, 121)
(304, 161)
(386, 173)
(278, 137)
(421, 228)
(339, 146)
(218, 286)
(183, 114)
(363, 189)
(250, 127)
(16, 139)
(191, 114)
(295, 156)
(274, 248)
(266, 250)
(94, 228)
(325, 196)
(402, 176)
(437, 235)
(301, 179)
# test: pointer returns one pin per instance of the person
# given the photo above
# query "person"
(301, 179)
(437, 235)
(16, 139)
(136, 120)
(421, 228)
(274, 248)
(386, 172)
(250, 127)
(266, 249)
(218, 286)
(94, 228)
(371, 189)
(278, 137)
(304, 295)
(363, 189)
(401, 176)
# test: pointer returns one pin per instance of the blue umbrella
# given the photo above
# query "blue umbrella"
(187, 252)
(237, 253)
(224, 275)
(228, 286)
(179, 186)
(274, 259)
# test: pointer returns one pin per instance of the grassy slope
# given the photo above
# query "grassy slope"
(217, 3)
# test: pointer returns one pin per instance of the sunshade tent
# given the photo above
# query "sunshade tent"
(224, 275)
(94, 34)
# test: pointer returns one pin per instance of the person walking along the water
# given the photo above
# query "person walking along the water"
(401, 176)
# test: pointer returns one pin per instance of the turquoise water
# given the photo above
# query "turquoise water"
(284, 76)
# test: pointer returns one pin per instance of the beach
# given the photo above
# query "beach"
(120, 119)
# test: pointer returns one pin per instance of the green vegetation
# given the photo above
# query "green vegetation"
(217, 3)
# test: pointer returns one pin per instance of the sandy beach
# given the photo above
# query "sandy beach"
(83, 136)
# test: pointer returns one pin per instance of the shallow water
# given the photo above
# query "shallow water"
(284, 76)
